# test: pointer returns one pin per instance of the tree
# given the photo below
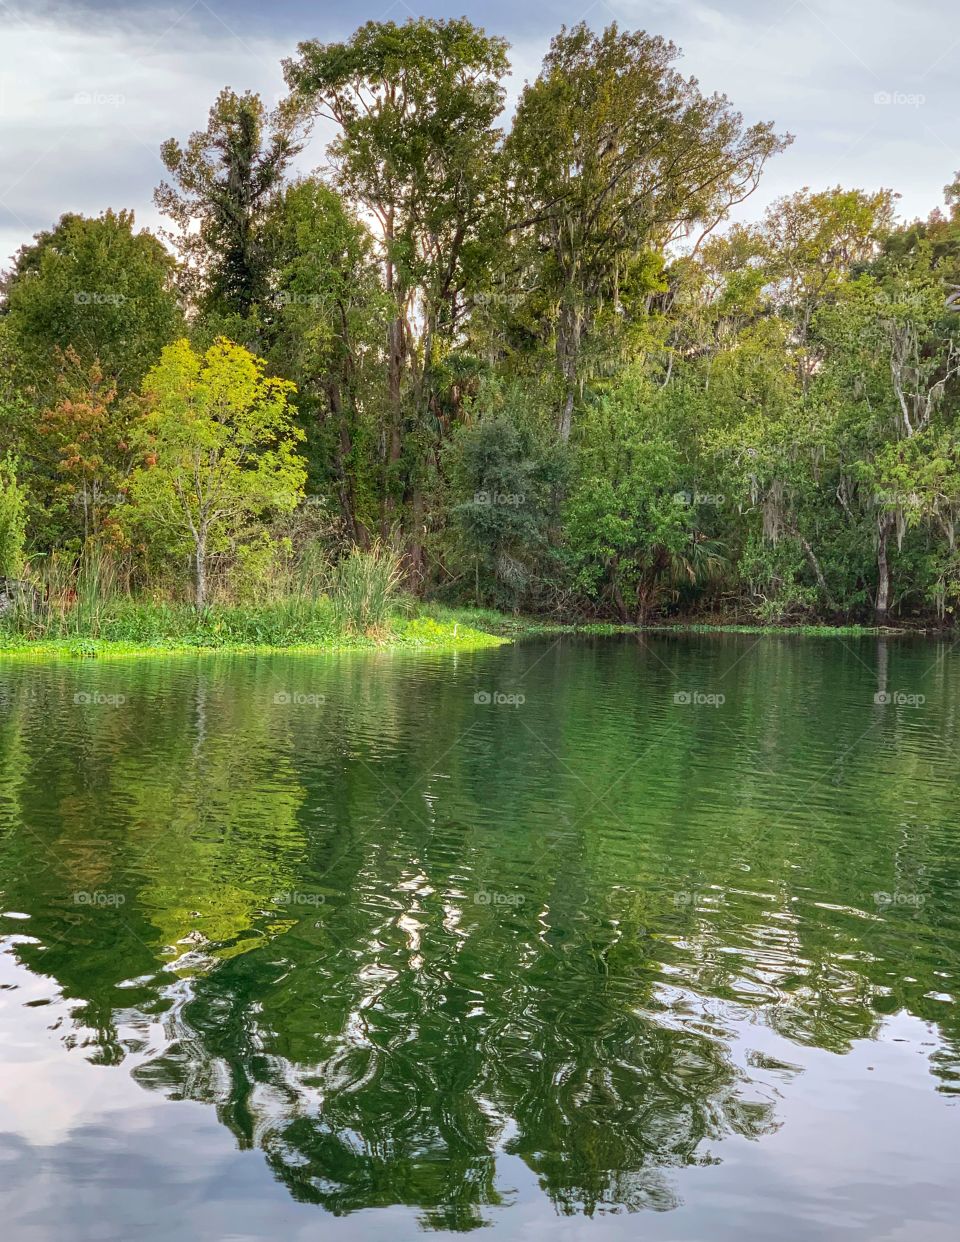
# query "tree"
(809, 244)
(88, 431)
(327, 334)
(219, 450)
(631, 514)
(225, 180)
(612, 154)
(94, 286)
(12, 520)
(504, 486)
(415, 106)
(893, 359)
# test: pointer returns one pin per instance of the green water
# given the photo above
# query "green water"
(326, 947)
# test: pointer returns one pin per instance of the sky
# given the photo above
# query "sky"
(89, 89)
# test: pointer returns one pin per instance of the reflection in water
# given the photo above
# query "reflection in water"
(402, 939)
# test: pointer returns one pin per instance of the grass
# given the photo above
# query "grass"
(128, 627)
(514, 625)
(368, 618)
(364, 616)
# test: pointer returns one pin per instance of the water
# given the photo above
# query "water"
(299, 947)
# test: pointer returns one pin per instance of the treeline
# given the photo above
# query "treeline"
(534, 356)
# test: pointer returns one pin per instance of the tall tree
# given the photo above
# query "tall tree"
(327, 335)
(415, 105)
(224, 181)
(613, 153)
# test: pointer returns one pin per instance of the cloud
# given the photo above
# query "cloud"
(90, 89)
(84, 110)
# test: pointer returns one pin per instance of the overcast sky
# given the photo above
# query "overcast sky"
(90, 88)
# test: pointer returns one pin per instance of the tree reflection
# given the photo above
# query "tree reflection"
(394, 941)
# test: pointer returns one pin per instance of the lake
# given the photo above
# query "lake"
(583, 938)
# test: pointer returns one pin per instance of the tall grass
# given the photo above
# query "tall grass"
(301, 601)
(365, 588)
(65, 596)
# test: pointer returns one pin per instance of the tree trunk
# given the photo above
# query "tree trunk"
(416, 560)
(817, 571)
(342, 454)
(395, 351)
(394, 375)
(884, 526)
(569, 332)
(200, 569)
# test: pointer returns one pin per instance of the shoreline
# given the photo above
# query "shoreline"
(451, 630)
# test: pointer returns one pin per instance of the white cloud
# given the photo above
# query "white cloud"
(85, 104)
(83, 113)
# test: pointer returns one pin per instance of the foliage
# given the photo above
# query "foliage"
(218, 451)
(225, 180)
(505, 484)
(613, 154)
(96, 287)
(12, 521)
(531, 356)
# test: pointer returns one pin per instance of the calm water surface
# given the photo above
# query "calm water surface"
(589, 939)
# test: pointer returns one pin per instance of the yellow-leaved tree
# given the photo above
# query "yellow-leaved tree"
(218, 451)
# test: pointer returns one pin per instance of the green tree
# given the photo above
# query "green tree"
(329, 319)
(12, 520)
(504, 488)
(630, 525)
(224, 182)
(219, 450)
(415, 106)
(98, 287)
(612, 154)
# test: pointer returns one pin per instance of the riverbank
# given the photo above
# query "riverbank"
(151, 630)
(174, 631)
(524, 627)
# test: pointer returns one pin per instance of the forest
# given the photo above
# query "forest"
(535, 363)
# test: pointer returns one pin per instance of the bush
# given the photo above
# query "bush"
(505, 485)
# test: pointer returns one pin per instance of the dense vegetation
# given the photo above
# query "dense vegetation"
(525, 365)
